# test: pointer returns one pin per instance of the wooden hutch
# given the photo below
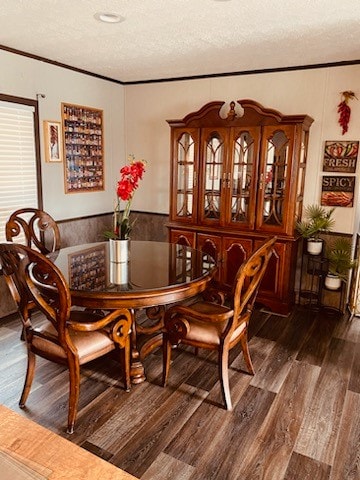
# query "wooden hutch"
(235, 181)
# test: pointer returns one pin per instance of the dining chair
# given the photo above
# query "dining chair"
(35, 228)
(69, 337)
(215, 326)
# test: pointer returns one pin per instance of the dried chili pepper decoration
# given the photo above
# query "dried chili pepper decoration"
(344, 110)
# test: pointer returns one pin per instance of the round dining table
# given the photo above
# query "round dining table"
(156, 274)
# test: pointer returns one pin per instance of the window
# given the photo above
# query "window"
(19, 157)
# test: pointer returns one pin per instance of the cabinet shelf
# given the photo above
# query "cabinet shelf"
(239, 195)
(274, 196)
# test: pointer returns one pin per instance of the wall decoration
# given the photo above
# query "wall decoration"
(84, 148)
(337, 191)
(340, 156)
(344, 110)
(52, 141)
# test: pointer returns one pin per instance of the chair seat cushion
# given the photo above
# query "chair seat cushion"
(209, 332)
(89, 345)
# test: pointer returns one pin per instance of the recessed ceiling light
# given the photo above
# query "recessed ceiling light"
(108, 17)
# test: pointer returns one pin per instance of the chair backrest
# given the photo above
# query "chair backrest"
(38, 228)
(248, 279)
(10, 267)
(38, 279)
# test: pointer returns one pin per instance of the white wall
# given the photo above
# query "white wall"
(135, 122)
(314, 92)
(25, 77)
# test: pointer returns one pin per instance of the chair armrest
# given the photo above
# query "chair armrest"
(176, 328)
(214, 295)
(85, 321)
(203, 311)
(121, 329)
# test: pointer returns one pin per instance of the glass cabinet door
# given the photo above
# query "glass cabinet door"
(274, 181)
(213, 177)
(185, 175)
(242, 175)
(301, 174)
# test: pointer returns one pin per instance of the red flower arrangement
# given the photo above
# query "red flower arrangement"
(126, 186)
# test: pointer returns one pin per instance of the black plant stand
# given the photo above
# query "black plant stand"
(313, 271)
(313, 293)
(339, 295)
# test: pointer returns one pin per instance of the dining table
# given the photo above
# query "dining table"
(155, 275)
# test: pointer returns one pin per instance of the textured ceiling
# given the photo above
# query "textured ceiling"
(181, 38)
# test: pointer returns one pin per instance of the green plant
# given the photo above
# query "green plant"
(340, 258)
(317, 220)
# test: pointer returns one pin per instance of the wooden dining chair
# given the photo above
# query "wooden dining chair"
(215, 326)
(69, 337)
(36, 229)
(33, 228)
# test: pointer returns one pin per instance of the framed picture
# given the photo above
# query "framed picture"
(340, 156)
(52, 141)
(337, 191)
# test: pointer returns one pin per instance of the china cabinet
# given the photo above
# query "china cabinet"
(236, 179)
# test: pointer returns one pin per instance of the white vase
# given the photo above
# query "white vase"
(332, 282)
(119, 250)
(314, 247)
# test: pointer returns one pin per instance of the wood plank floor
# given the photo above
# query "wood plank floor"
(297, 418)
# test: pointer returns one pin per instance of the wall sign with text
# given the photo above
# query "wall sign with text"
(340, 156)
(337, 191)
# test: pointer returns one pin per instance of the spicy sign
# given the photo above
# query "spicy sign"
(337, 191)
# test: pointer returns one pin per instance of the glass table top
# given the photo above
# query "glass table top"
(151, 266)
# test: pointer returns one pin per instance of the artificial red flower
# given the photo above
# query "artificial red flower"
(137, 170)
(125, 189)
(126, 186)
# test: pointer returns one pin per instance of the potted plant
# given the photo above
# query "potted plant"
(340, 263)
(317, 220)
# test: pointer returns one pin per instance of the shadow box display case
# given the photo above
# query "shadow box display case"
(83, 148)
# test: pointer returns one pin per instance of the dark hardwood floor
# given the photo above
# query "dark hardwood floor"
(298, 418)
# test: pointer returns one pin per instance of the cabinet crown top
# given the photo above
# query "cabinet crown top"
(243, 112)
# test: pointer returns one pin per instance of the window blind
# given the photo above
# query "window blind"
(18, 176)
